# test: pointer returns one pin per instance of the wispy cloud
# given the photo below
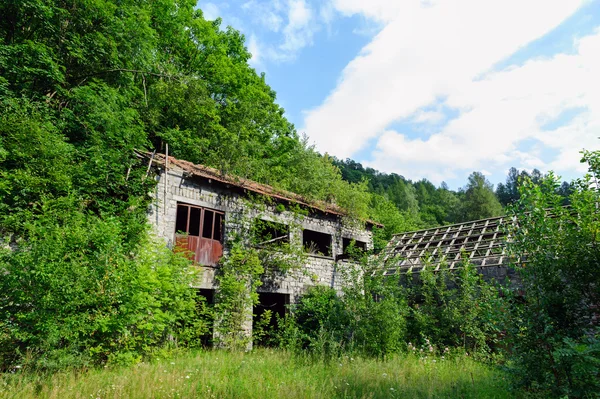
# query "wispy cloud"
(210, 10)
(431, 50)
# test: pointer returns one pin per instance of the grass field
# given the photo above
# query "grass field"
(268, 374)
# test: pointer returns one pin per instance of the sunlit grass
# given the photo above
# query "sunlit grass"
(269, 374)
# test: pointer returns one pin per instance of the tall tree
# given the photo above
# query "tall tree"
(479, 201)
(556, 344)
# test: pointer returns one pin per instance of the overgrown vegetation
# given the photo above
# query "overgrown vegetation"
(270, 374)
(554, 334)
(379, 315)
(85, 83)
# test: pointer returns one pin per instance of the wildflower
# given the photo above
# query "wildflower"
(430, 348)
(392, 389)
(187, 376)
(172, 362)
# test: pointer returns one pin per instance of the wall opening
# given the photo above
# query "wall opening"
(358, 245)
(267, 233)
(205, 301)
(263, 330)
(199, 232)
(316, 243)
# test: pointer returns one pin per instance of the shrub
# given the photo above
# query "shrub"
(71, 295)
(555, 346)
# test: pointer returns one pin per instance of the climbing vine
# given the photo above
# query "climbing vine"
(259, 250)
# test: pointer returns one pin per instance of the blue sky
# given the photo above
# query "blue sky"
(433, 88)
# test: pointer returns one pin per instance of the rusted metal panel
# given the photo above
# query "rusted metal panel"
(202, 251)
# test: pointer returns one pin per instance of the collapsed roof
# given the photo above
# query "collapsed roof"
(482, 242)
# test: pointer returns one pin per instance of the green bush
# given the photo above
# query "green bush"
(377, 315)
(72, 295)
(455, 309)
(554, 344)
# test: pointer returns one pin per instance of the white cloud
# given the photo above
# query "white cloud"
(254, 49)
(210, 10)
(442, 49)
(266, 14)
(295, 22)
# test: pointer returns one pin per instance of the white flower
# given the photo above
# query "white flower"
(187, 376)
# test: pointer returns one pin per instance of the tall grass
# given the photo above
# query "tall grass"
(269, 374)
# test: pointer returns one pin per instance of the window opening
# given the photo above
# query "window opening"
(193, 220)
(218, 227)
(270, 233)
(181, 224)
(199, 233)
(208, 223)
(358, 245)
(204, 303)
(316, 243)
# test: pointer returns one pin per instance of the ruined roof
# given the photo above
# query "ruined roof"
(482, 241)
(213, 174)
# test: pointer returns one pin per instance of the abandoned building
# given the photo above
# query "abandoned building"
(198, 208)
(481, 242)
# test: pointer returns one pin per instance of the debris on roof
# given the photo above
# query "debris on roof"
(213, 174)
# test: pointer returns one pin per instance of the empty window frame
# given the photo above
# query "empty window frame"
(270, 233)
(358, 245)
(199, 222)
(316, 243)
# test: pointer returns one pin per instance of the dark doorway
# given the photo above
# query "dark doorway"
(262, 327)
(205, 302)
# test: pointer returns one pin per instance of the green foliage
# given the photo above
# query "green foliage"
(270, 374)
(238, 277)
(271, 240)
(455, 309)
(479, 200)
(72, 295)
(83, 84)
(385, 212)
(378, 314)
(554, 344)
(421, 203)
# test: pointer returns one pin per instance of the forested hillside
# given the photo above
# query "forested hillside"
(427, 205)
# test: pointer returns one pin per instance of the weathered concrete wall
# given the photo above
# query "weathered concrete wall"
(318, 270)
